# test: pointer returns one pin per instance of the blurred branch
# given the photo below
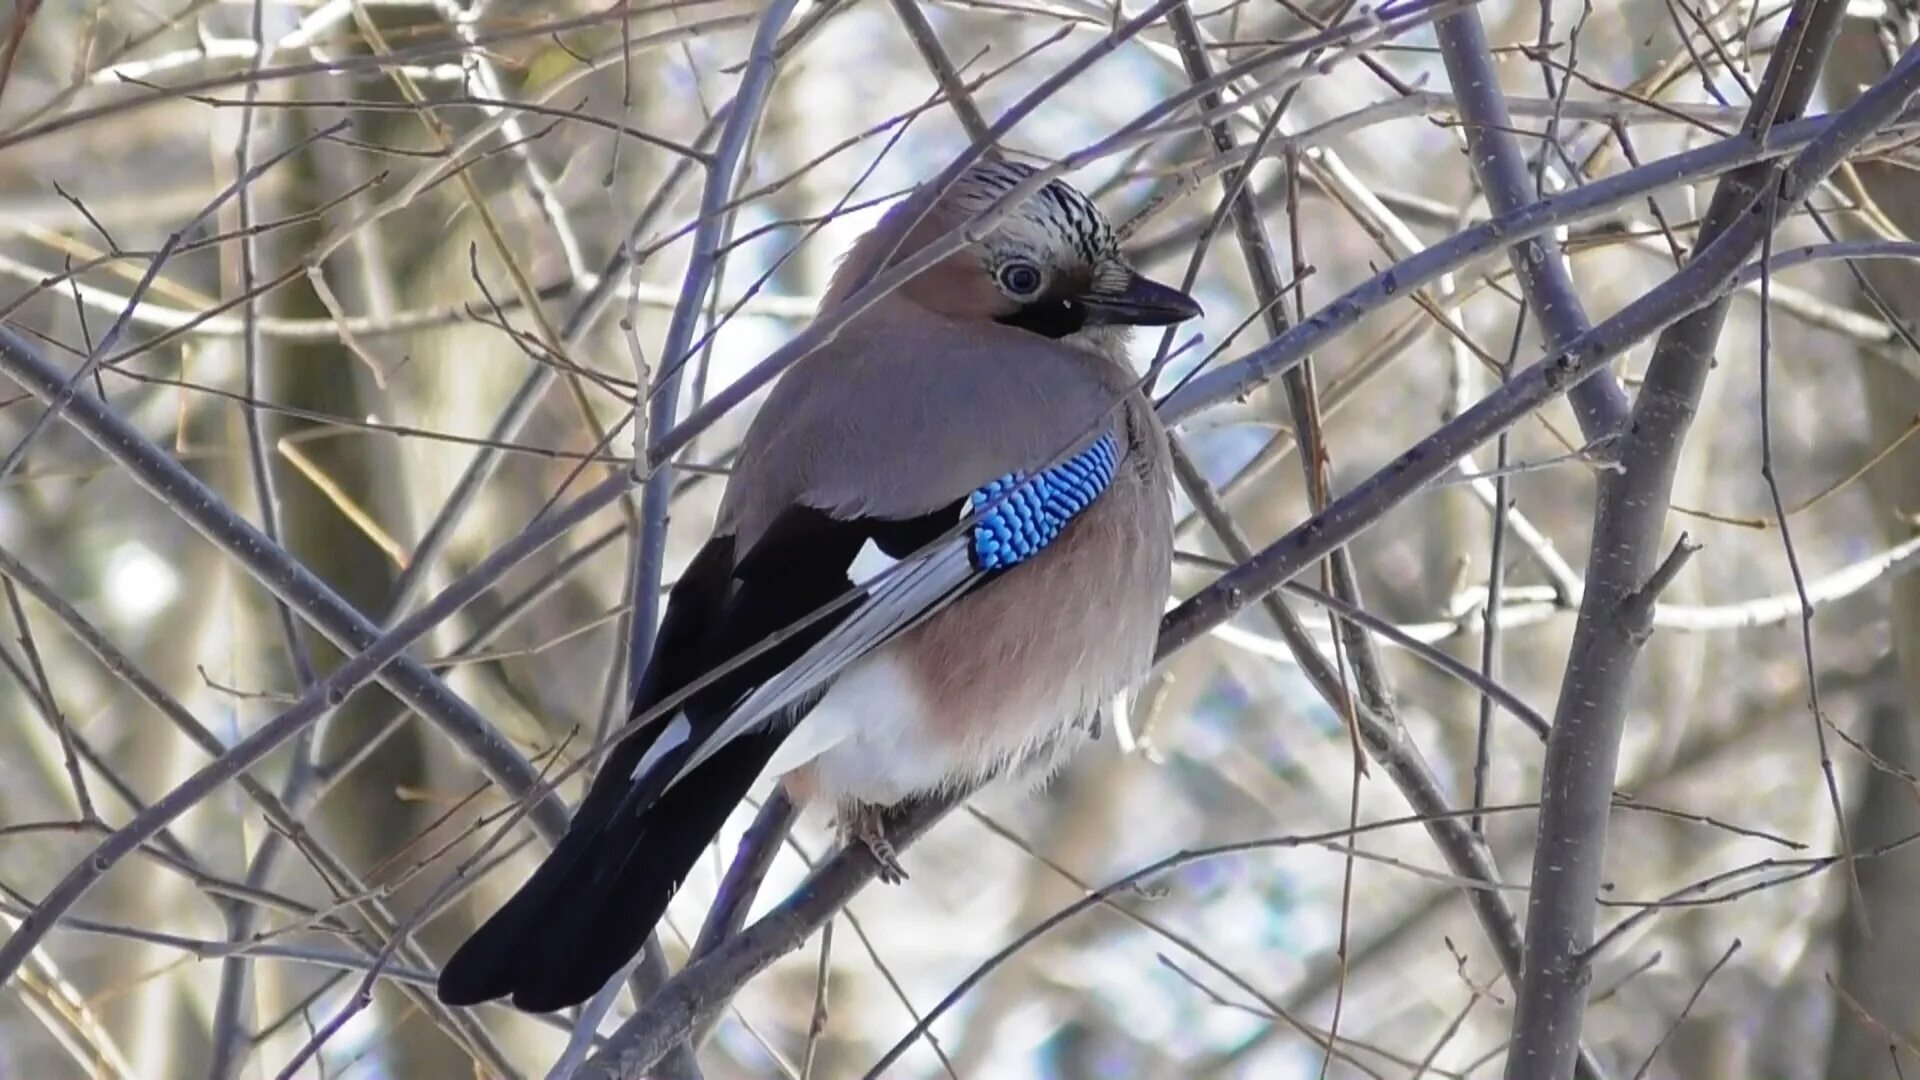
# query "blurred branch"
(451, 47)
(1375, 722)
(528, 395)
(1879, 1016)
(1630, 515)
(914, 20)
(234, 1007)
(99, 352)
(372, 652)
(66, 1014)
(283, 576)
(1706, 276)
(18, 22)
(573, 331)
(1243, 376)
(503, 250)
(477, 65)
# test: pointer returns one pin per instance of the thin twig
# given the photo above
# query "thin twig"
(1243, 376)
(379, 650)
(1698, 989)
(283, 576)
(1713, 266)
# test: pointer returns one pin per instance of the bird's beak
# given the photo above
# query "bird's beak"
(1134, 300)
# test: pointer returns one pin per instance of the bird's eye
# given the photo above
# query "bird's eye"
(1020, 278)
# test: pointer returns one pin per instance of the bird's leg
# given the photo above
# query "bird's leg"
(866, 823)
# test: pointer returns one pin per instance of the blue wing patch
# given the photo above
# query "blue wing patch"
(1012, 519)
(1020, 514)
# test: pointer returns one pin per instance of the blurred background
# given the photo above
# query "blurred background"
(418, 276)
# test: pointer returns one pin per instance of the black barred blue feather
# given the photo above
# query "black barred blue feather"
(1007, 521)
(1018, 515)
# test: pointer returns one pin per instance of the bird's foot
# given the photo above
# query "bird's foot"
(866, 823)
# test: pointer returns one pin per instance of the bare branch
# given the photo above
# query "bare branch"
(312, 599)
(1629, 517)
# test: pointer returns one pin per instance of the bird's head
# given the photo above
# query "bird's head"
(1052, 266)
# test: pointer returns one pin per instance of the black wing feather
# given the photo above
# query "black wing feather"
(589, 907)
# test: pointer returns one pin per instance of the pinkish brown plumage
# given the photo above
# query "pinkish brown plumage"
(944, 546)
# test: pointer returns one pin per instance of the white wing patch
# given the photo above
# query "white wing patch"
(870, 737)
(870, 563)
(895, 603)
(1120, 715)
(874, 690)
(670, 740)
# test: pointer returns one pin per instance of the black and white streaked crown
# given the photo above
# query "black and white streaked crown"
(1058, 209)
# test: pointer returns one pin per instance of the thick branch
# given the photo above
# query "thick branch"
(1576, 786)
(1599, 402)
(1375, 718)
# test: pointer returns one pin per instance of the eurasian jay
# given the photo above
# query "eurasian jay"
(945, 544)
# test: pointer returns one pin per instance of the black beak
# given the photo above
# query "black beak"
(1138, 301)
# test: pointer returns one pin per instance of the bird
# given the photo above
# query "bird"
(945, 543)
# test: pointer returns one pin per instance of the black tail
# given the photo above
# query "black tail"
(589, 908)
(591, 905)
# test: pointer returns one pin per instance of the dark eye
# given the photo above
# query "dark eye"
(1020, 278)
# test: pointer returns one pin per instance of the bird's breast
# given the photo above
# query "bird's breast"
(998, 679)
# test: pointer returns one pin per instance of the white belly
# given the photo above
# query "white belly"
(872, 740)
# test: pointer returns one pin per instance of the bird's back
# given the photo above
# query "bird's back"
(867, 424)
